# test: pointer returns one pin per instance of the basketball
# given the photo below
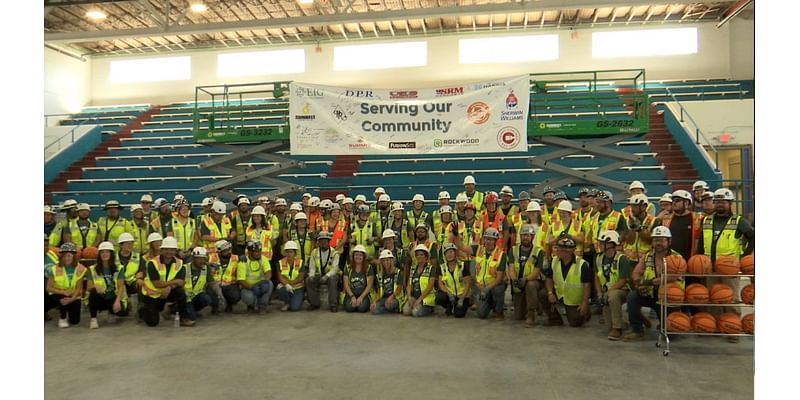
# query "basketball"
(678, 322)
(748, 264)
(749, 324)
(726, 265)
(88, 253)
(696, 294)
(704, 322)
(676, 264)
(748, 294)
(729, 323)
(721, 293)
(699, 264)
(675, 293)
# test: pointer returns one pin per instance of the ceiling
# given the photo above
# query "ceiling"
(161, 26)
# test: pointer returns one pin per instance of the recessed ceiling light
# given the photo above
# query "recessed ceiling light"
(199, 7)
(96, 15)
(305, 2)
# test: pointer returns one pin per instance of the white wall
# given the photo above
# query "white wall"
(735, 117)
(713, 60)
(743, 58)
(67, 83)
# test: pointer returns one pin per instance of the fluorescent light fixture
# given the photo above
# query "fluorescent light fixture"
(151, 70)
(273, 62)
(380, 56)
(306, 2)
(506, 49)
(198, 7)
(96, 15)
(644, 43)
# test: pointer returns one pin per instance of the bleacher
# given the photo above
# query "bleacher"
(111, 119)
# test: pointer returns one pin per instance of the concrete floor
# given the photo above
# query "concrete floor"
(322, 355)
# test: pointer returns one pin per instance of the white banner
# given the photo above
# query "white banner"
(479, 117)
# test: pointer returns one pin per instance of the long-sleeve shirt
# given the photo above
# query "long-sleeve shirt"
(322, 255)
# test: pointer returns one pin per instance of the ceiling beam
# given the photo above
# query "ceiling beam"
(156, 16)
(733, 11)
(290, 22)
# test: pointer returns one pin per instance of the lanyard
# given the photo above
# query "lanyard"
(108, 231)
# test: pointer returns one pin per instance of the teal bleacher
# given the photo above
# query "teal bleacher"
(111, 119)
(161, 157)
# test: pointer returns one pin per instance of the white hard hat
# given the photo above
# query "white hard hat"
(146, 198)
(280, 202)
(325, 204)
(154, 237)
(360, 248)
(379, 190)
(223, 245)
(682, 194)
(444, 195)
(106, 246)
(348, 200)
(507, 190)
(243, 200)
(258, 210)
(527, 229)
(661, 231)
(125, 237)
(300, 215)
(178, 197)
(169, 242)
(469, 179)
(200, 252)
(640, 198)
(218, 207)
(637, 185)
(262, 199)
(136, 207)
(422, 247)
(340, 197)
(384, 197)
(491, 233)
(666, 197)
(388, 234)
(296, 207)
(700, 185)
(306, 195)
(609, 236)
(207, 202)
(419, 197)
(290, 245)
(565, 205)
(386, 254)
(397, 206)
(534, 206)
(313, 201)
(49, 210)
(724, 194)
(445, 210)
(461, 198)
(363, 198)
(84, 207)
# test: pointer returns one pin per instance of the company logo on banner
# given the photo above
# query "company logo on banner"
(480, 117)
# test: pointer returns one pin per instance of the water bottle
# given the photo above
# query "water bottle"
(177, 320)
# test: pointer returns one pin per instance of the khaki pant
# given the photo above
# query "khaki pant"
(612, 312)
(526, 303)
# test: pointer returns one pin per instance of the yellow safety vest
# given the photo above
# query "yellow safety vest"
(192, 290)
(62, 282)
(486, 267)
(548, 217)
(399, 296)
(525, 270)
(477, 200)
(403, 234)
(727, 243)
(184, 234)
(253, 271)
(324, 269)
(131, 268)
(226, 273)
(613, 276)
(639, 247)
(291, 272)
(571, 288)
(469, 235)
(575, 231)
(239, 225)
(148, 289)
(650, 273)
(424, 279)
(78, 239)
(139, 236)
(443, 233)
(361, 235)
(264, 236)
(611, 223)
(414, 220)
(99, 281)
(304, 242)
(454, 280)
(111, 232)
(514, 210)
(216, 234)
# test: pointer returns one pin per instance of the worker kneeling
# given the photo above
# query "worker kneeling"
(422, 279)
(490, 270)
(199, 280)
(292, 278)
(454, 284)
(359, 278)
(253, 275)
(390, 286)
(611, 282)
(164, 280)
(569, 282)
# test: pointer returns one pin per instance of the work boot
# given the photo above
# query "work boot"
(251, 309)
(555, 321)
(285, 307)
(187, 322)
(63, 323)
(615, 334)
(312, 308)
(529, 322)
(334, 309)
(646, 322)
(633, 336)
(498, 316)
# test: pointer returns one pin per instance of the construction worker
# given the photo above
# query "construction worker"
(303, 237)
(57, 235)
(225, 286)
(362, 232)
(389, 282)
(508, 209)
(635, 188)
(461, 202)
(65, 286)
(259, 230)
(549, 209)
(376, 194)
(613, 270)
(565, 223)
(50, 260)
(253, 274)
(206, 204)
(467, 237)
(292, 278)
(324, 215)
(359, 281)
(418, 215)
(588, 202)
(160, 223)
(154, 241)
(240, 219)
(111, 226)
(263, 201)
(399, 224)
(520, 217)
(164, 280)
(198, 283)
(568, 281)
(129, 264)
(664, 206)
(421, 285)
(381, 216)
(491, 217)
(640, 224)
(422, 236)
(684, 224)
(349, 212)
(336, 225)
(183, 229)
(473, 196)
(533, 218)
(216, 226)
(279, 222)
(605, 219)
(490, 275)
(139, 228)
(304, 199)
(707, 205)
(106, 286)
(81, 231)
(698, 188)
(454, 284)
(49, 220)
(646, 278)
(401, 258)
(524, 269)
(146, 202)
(323, 267)
(444, 226)
(436, 219)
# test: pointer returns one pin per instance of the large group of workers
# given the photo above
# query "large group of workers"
(554, 258)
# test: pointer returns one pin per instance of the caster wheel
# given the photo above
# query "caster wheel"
(666, 353)
(658, 344)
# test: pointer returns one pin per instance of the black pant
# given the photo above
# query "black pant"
(153, 307)
(443, 300)
(198, 303)
(73, 309)
(98, 302)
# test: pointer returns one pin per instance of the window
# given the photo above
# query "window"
(642, 43)
(508, 49)
(380, 56)
(291, 61)
(151, 70)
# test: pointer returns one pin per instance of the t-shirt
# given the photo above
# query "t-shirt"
(48, 266)
(416, 289)
(387, 282)
(152, 272)
(358, 280)
(624, 267)
(110, 280)
(681, 229)
(586, 273)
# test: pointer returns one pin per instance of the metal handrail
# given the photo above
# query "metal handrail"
(71, 132)
(698, 133)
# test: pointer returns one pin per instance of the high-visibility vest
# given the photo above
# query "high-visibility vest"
(155, 224)
(139, 236)
(453, 280)
(571, 288)
(99, 281)
(415, 220)
(586, 227)
(62, 282)
(517, 220)
(397, 291)
(424, 280)
(313, 220)
(110, 233)
(695, 229)
(611, 223)
(613, 272)
(476, 199)
(226, 272)
(442, 233)
(574, 230)
(496, 222)
(50, 260)
(194, 289)
(304, 242)
(252, 271)
(727, 243)
(469, 235)
(148, 289)
(57, 232)
(291, 272)
(486, 267)
(184, 233)
(627, 212)
(239, 224)
(638, 247)
(324, 269)
(549, 216)
(380, 222)
(512, 211)
(401, 237)
(216, 234)
(526, 269)
(337, 233)
(131, 268)
(436, 219)
(263, 236)
(361, 235)
(649, 274)
(428, 243)
(80, 240)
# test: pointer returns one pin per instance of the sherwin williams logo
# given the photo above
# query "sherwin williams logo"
(511, 100)
(478, 113)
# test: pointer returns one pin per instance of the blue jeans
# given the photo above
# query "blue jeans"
(294, 299)
(198, 303)
(261, 291)
(635, 303)
(381, 308)
(494, 301)
(362, 308)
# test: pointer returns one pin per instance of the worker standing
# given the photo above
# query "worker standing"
(613, 270)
